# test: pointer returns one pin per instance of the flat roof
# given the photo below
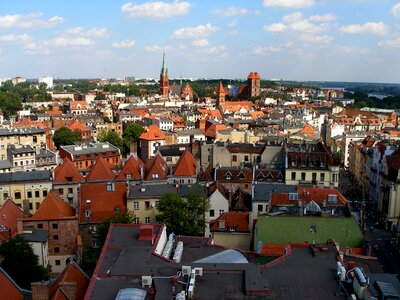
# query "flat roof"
(89, 148)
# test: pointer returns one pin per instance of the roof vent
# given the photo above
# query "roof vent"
(142, 189)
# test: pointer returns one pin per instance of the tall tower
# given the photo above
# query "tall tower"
(164, 82)
(220, 94)
(253, 84)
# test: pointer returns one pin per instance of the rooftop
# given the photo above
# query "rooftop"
(89, 148)
(44, 175)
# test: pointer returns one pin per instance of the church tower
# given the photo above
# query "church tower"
(220, 94)
(253, 84)
(164, 82)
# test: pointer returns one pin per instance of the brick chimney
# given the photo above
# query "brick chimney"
(40, 291)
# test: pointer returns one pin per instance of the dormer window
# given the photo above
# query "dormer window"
(69, 178)
(128, 176)
(228, 176)
(241, 175)
(232, 229)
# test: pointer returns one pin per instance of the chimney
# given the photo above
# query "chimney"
(69, 289)
(20, 226)
(40, 291)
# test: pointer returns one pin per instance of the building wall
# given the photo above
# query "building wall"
(330, 177)
(232, 240)
(69, 192)
(147, 208)
(218, 203)
(35, 140)
(42, 251)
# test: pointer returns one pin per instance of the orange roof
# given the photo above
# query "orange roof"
(100, 171)
(78, 105)
(158, 167)
(233, 219)
(253, 75)
(307, 195)
(102, 203)
(153, 133)
(234, 106)
(186, 165)
(308, 130)
(74, 124)
(256, 114)
(72, 273)
(9, 213)
(213, 113)
(25, 122)
(220, 88)
(67, 170)
(213, 129)
(142, 112)
(53, 208)
(8, 288)
(132, 166)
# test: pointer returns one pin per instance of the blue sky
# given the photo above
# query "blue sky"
(342, 40)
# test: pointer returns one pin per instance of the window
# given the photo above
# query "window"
(87, 213)
(58, 262)
(147, 204)
(303, 176)
(293, 175)
(212, 213)
(5, 196)
(135, 205)
(157, 203)
(293, 196)
(110, 187)
(234, 158)
(70, 190)
(69, 178)
(147, 220)
(34, 139)
(128, 175)
(37, 205)
(260, 208)
(30, 206)
(44, 193)
(154, 176)
(56, 250)
(136, 221)
(246, 186)
(221, 212)
(322, 177)
(232, 229)
(95, 244)
(54, 226)
(29, 194)
(40, 226)
(37, 194)
(61, 191)
(55, 237)
(334, 177)
(314, 177)
(246, 158)
(17, 195)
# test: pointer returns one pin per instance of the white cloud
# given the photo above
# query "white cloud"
(29, 21)
(276, 27)
(200, 43)
(390, 43)
(395, 11)
(92, 32)
(103, 53)
(259, 50)
(323, 18)
(288, 3)
(353, 50)
(233, 23)
(321, 39)
(70, 42)
(378, 28)
(156, 9)
(220, 51)
(195, 32)
(157, 48)
(296, 22)
(12, 38)
(124, 44)
(230, 11)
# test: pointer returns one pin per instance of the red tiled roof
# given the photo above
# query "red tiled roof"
(9, 213)
(253, 75)
(132, 166)
(74, 124)
(102, 203)
(220, 88)
(186, 165)
(67, 170)
(72, 273)
(213, 113)
(237, 220)
(307, 195)
(74, 104)
(53, 208)
(8, 288)
(152, 133)
(213, 129)
(25, 122)
(308, 130)
(158, 167)
(101, 170)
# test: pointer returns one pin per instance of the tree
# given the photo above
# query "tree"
(21, 263)
(100, 96)
(131, 135)
(112, 137)
(64, 136)
(10, 103)
(172, 212)
(183, 216)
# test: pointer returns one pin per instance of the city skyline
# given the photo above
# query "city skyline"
(355, 40)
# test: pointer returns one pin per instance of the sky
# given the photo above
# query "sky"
(324, 40)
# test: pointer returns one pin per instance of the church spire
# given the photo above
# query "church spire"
(164, 69)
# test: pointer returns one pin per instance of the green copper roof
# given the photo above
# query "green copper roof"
(164, 69)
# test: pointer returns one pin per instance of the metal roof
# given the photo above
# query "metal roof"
(229, 256)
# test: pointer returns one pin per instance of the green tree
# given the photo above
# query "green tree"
(196, 206)
(10, 103)
(131, 135)
(64, 136)
(21, 263)
(100, 96)
(112, 137)
(172, 212)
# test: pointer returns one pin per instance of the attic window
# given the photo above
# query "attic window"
(260, 175)
(228, 176)
(332, 199)
(241, 175)
(232, 229)
(293, 196)
(154, 176)
(110, 187)
(128, 176)
(269, 176)
(69, 178)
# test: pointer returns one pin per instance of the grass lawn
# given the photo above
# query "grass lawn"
(284, 229)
